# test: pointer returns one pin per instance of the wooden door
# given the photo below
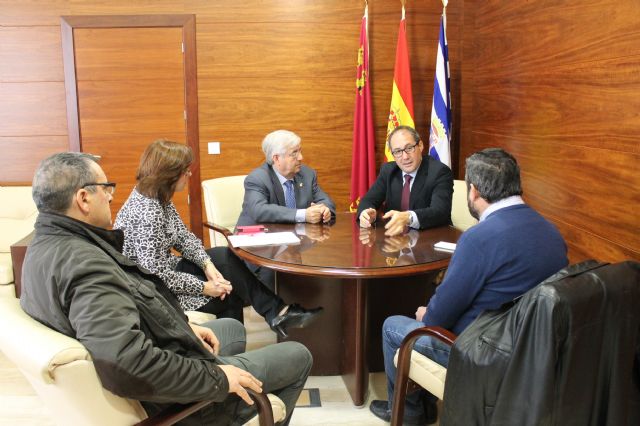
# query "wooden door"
(131, 80)
(130, 92)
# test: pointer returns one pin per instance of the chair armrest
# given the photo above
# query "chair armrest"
(404, 363)
(263, 405)
(177, 412)
(221, 229)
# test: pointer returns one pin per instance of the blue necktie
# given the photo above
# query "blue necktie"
(289, 195)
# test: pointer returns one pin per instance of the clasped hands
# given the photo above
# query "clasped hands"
(397, 224)
(317, 213)
(216, 285)
(237, 378)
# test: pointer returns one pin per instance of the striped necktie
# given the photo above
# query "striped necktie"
(289, 195)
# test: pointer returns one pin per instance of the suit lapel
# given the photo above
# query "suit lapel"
(421, 179)
(298, 184)
(396, 189)
(277, 187)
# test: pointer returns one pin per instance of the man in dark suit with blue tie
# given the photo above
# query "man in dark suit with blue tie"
(416, 189)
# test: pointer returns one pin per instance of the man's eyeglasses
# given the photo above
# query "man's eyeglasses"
(294, 154)
(110, 187)
(397, 153)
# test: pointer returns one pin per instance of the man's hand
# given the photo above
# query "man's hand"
(367, 217)
(398, 223)
(317, 213)
(207, 337)
(326, 212)
(420, 313)
(238, 380)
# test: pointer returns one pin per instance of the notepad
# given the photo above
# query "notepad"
(264, 239)
(444, 246)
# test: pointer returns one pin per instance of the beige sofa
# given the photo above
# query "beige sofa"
(17, 215)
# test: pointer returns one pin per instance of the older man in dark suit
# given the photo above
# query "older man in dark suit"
(283, 190)
(416, 189)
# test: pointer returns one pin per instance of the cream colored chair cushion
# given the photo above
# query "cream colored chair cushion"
(62, 373)
(18, 214)
(6, 269)
(427, 373)
(460, 215)
(198, 317)
(223, 204)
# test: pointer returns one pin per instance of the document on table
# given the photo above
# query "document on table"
(264, 239)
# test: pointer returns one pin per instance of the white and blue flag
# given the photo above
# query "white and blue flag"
(440, 134)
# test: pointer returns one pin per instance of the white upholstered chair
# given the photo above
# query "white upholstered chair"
(460, 215)
(62, 373)
(421, 370)
(18, 213)
(223, 204)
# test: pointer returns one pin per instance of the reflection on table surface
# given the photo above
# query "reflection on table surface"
(342, 244)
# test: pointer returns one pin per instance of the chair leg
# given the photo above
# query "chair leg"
(400, 388)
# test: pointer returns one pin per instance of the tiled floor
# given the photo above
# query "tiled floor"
(20, 406)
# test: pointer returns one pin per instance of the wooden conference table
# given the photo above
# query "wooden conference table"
(360, 277)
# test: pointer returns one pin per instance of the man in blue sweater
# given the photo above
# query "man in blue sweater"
(511, 250)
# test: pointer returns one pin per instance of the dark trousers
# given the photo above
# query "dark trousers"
(247, 288)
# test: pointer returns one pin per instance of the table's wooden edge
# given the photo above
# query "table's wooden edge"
(336, 272)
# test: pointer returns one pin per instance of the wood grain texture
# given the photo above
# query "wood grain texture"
(126, 107)
(548, 82)
(18, 165)
(158, 56)
(30, 54)
(31, 13)
(32, 109)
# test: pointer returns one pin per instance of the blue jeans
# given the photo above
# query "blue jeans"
(394, 330)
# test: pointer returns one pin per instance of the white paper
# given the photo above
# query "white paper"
(444, 246)
(264, 239)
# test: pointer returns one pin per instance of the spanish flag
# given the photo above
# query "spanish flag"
(401, 111)
(363, 163)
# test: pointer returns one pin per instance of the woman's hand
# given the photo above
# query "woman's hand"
(207, 337)
(216, 286)
(217, 289)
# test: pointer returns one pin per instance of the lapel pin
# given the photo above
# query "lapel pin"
(300, 184)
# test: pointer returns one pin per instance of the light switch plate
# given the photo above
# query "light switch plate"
(213, 147)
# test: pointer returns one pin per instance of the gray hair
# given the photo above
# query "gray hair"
(495, 174)
(412, 132)
(58, 177)
(278, 142)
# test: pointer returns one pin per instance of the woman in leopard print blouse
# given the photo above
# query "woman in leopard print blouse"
(213, 280)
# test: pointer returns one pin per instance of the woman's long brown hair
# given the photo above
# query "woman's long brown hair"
(161, 166)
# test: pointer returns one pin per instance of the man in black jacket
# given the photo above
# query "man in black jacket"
(417, 189)
(77, 282)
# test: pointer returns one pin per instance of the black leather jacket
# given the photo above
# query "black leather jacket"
(76, 281)
(565, 353)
